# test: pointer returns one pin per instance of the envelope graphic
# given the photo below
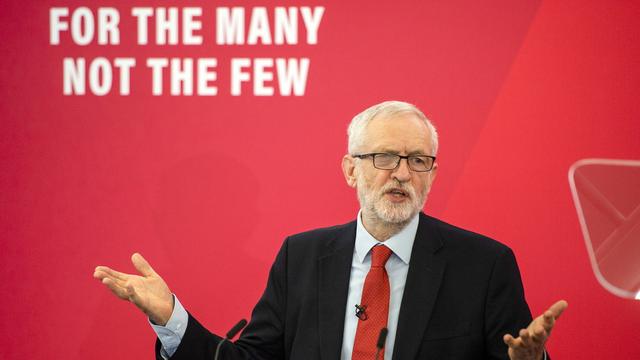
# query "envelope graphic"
(606, 193)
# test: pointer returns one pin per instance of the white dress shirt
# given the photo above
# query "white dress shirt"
(397, 267)
(172, 333)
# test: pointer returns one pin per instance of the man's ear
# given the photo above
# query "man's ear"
(349, 169)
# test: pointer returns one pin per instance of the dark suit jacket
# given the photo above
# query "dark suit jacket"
(463, 293)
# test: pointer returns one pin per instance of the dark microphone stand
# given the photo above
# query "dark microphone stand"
(382, 338)
(234, 330)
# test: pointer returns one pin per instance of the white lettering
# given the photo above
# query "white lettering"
(142, 15)
(189, 25)
(259, 27)
(167, 26)
(100, 75)
(73, 76)
(286, 25)
(100, 85)
(181, 77)
(124, 65)
(205, 76)
(82, 18)
(312, 22)
(108, 33)
(292, 76)
(83, 25)
(56, 25)
(238, 76)
(230, 26)
(260, 75)
(157, 65)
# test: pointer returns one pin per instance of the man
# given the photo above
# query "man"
(442, 292)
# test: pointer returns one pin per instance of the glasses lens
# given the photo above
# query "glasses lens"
(420, 163)
(385, 161)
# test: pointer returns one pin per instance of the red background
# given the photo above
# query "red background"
(207, 187)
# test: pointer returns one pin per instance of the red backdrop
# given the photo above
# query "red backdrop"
(207, 187)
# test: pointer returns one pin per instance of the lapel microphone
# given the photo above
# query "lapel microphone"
(231, 334)
(382, 338)
(361, 312)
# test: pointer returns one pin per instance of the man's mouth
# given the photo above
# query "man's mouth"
(397, 193)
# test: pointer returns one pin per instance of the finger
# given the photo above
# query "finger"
(509, 340)
(98, 274)
(118, 290)
(525, 337)
(548, 320)
(538, 334)
(102, 276)
(552, 314)
(112, 273)
(120, 278)
(142, 265)
(558, 308)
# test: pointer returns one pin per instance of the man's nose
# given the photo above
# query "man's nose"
(402, 172)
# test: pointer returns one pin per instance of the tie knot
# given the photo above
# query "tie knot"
(379, 255)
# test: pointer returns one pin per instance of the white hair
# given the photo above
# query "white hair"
(386, 109)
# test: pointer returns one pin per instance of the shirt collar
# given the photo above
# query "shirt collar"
(400, 243)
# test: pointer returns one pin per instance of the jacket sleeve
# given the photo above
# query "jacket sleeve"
(506, 309)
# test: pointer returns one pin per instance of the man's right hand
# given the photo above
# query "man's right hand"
(147, 291)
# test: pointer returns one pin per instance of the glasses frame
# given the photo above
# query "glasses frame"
(400, 157)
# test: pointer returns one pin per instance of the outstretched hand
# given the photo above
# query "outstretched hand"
(529, 345)
(147, 291)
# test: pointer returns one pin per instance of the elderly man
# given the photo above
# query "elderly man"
(441, 291)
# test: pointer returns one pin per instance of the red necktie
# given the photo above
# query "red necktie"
(375, 300)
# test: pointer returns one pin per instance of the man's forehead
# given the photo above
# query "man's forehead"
(400, 149)
(399, 133)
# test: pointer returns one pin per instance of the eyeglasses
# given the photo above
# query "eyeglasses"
(386, 161)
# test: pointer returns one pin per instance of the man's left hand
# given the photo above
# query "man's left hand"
(529, 345)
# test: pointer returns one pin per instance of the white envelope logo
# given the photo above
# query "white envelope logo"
(606, 194)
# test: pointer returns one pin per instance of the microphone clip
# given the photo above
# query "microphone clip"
(361, 312)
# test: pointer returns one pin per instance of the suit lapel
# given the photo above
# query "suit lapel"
(333, 287)
(421, 290)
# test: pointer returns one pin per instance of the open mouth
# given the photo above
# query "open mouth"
(397, 193)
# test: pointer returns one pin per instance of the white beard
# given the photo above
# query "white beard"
(385, 210)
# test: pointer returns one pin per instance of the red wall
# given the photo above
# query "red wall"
(207, 187)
